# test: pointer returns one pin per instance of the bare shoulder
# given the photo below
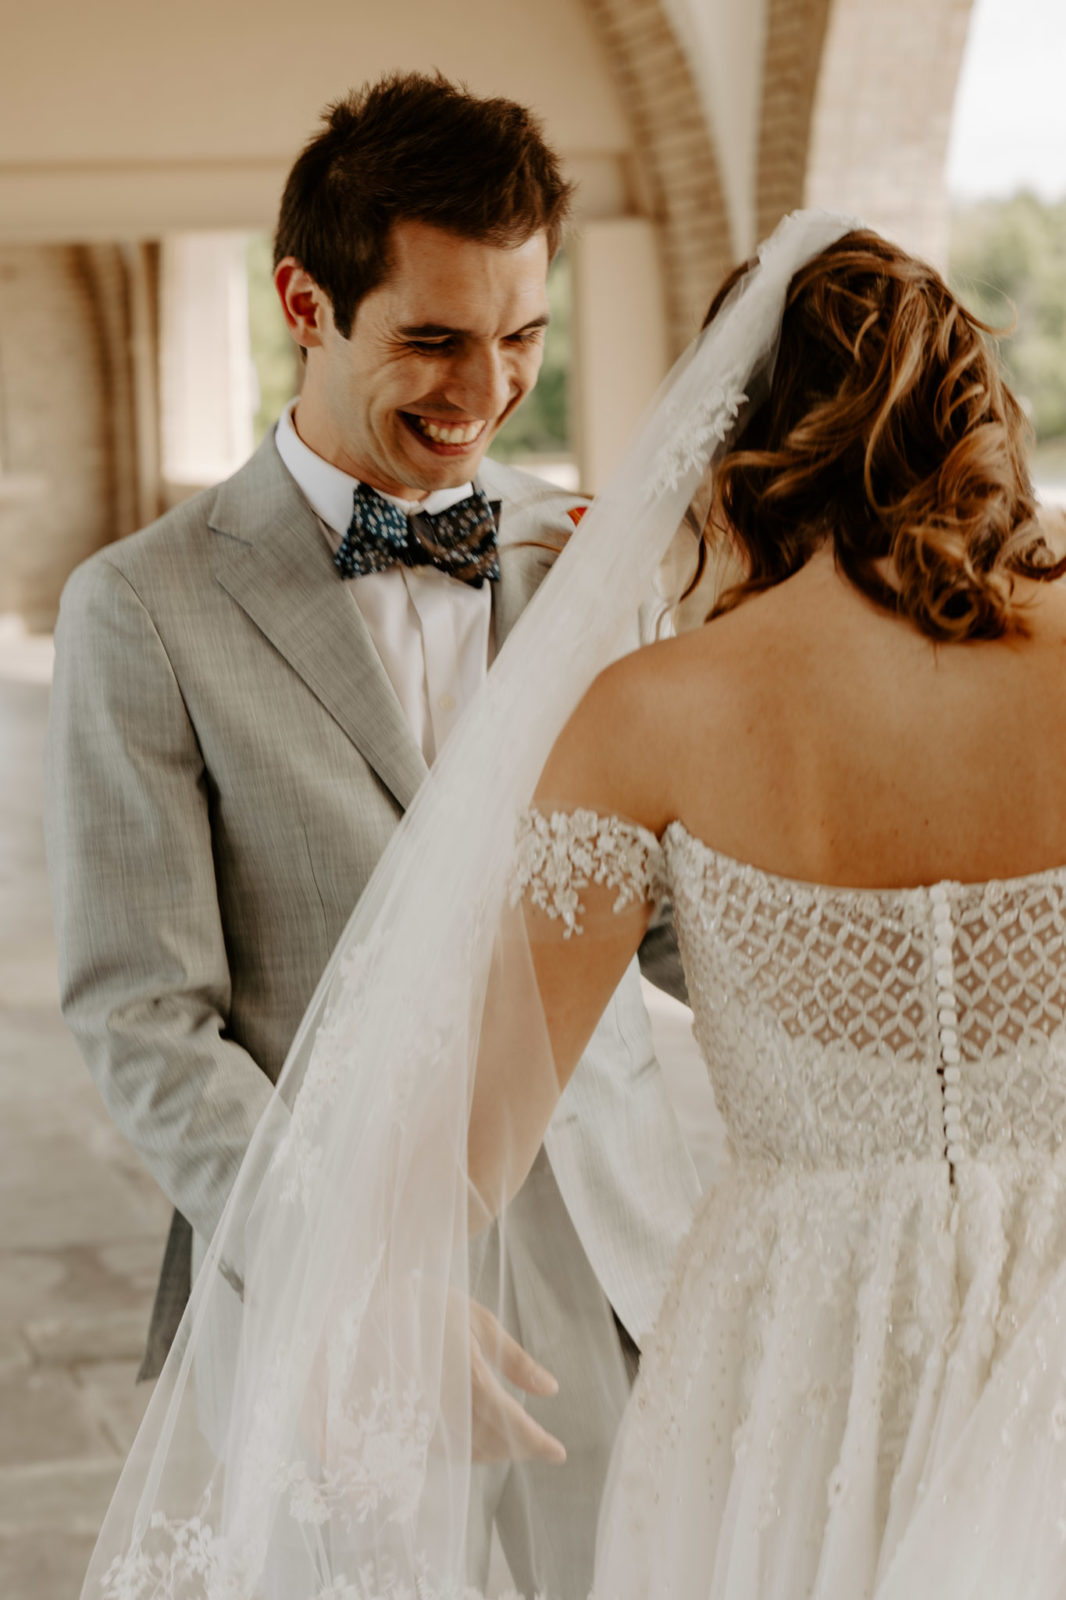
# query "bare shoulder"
(640, 719)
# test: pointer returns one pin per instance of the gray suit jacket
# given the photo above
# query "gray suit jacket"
(227, 761)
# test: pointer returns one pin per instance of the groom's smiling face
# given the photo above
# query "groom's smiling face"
(440, 354)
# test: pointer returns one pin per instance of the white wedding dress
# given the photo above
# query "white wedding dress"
(856, 1389)
(857, 1384)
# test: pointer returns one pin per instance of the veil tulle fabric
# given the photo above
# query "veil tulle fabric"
(310, 1436)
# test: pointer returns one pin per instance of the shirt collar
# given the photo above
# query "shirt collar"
(329, 491)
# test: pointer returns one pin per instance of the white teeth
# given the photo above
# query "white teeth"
(449, 433)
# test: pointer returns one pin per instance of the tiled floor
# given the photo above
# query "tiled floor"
(81, 1225)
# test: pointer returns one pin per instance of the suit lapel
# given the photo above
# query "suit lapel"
(270, 555)
(520, 577)
(526, 556)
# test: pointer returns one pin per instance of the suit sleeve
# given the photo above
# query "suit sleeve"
(660, 959)
(144, 977)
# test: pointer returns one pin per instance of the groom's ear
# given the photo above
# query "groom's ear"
(305, 306)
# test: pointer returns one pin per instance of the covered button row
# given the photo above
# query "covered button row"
(948, 1019)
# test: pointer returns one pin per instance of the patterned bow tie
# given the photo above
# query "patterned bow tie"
(460, 541)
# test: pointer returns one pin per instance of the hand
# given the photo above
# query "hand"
(501, 1427)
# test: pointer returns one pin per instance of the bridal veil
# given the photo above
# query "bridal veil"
(310, 1436)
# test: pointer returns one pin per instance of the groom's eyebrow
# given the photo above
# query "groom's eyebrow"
(441, 330)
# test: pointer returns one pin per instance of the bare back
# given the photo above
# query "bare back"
(814, 735)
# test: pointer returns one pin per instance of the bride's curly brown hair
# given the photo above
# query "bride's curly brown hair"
(889, 432)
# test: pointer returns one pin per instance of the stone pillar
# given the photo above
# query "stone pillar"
(77, 412)
(620, 340)
(125, 280)
(207, 380)
(56, 495)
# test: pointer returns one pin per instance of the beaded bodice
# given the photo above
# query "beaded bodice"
(840, 1025)
(844, 1026)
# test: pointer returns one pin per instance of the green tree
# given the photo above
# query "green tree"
(1008, 264)
(541, 425)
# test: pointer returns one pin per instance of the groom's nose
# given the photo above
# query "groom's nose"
(480, 382)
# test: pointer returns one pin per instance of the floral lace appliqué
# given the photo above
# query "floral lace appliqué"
(694, 433)
(187, 1559)
(558, 856)
(381, 1467)
(191, 1564)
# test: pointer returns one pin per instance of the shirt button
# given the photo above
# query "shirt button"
(446, 702)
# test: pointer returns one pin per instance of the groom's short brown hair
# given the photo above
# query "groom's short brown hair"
(414, 148)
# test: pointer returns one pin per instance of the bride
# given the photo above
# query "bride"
(849, 784)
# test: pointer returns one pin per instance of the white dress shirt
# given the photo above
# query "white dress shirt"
(432, 632)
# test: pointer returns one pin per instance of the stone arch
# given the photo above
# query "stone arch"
(882, 115)
(677, 181)
(855, 115)
(795, 36)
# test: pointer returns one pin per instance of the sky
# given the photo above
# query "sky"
(1009, 126)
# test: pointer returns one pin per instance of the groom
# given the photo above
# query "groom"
(249, 693)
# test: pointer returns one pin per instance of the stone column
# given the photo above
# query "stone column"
(206, 364)
(620, 341)
(69, 414)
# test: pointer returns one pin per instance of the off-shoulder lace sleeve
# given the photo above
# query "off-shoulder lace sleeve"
(559, 855)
